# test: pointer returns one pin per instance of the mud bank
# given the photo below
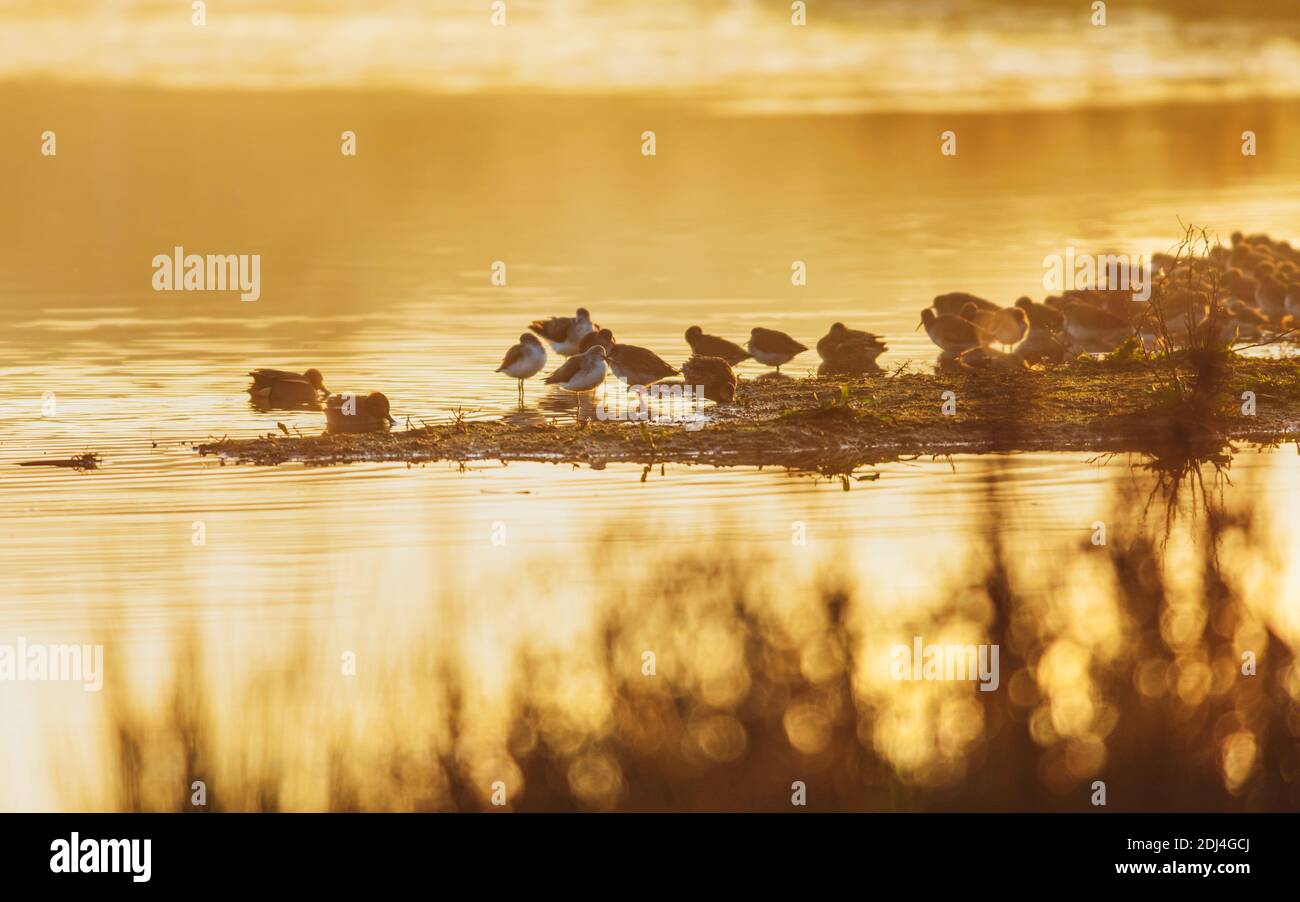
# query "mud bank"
(838, 423)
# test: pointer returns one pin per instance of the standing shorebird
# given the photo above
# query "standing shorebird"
(772, 348)
(1009, 325)
(638, 366)
(564, 333)
(1006, 326)
(281, 388)
(582, 373)
(713, 346)
(358, 413)
(953, 334)
(523, 361)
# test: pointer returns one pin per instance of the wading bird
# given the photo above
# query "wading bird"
(713, 346)
(952, 333)
(564, 333)
(582, 373)
(638, 366)
(772, 348)
(523, 361)
(845, 350)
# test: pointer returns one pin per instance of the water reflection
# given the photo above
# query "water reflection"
(740, 57)
(521, 662)
(620, 670)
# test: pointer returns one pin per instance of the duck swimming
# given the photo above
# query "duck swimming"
(358, 413)
(272, 388)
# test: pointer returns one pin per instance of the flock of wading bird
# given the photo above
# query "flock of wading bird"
(1246, 291)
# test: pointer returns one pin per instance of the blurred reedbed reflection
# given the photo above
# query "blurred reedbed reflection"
(717, 676)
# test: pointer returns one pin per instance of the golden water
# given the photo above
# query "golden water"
(522, 661)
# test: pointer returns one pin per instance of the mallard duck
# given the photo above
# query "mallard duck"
(353, 412)
(282, 388)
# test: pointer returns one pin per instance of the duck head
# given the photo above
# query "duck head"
(316, 381)
(378, 408)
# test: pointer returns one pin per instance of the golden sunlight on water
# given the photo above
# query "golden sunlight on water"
(388, 637)
(738, 56)
(525, 662)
